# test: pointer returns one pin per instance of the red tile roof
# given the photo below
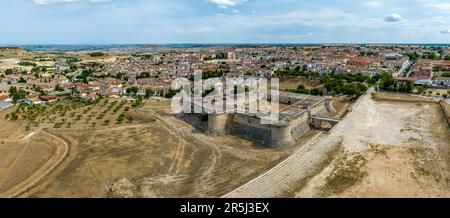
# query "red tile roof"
(47, 97)
(3, 97)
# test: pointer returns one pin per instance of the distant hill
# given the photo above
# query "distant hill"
(144, 48)
(14, 52)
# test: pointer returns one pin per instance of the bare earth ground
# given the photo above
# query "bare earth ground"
(389, 150)
(19, 161)
(446, 108)
(293, 83)
(342, 105)
(22, 156)
(11, 63)
(157, 155)
(382, 149)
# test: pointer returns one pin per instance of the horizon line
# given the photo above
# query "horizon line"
(232, 43)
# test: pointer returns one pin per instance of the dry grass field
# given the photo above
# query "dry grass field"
(12, 63)
(392, 146)
(293, 83)
(21, 159)
(389, 145)
(342, 104)
(151, 155)
(446, 108)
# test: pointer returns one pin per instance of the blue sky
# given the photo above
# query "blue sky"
(224, 21)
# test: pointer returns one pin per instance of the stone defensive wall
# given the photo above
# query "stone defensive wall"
(198, 120)
(294, 120)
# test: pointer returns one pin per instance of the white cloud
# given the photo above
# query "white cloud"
(227, 3)
(373, 4)
(441, 5)
(441, 22)
(447, 31)
(330, 18)
(50, 2)
(394, 17)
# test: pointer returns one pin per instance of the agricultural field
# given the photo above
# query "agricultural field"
(73, 113)
(112, 149)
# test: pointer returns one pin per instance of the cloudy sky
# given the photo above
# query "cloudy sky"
(224, 21)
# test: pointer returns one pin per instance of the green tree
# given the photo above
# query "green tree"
(97, 54)
(316, 91)
(27, 63)
(170, 93)
(143, 75)
(413, 56)
(352, 90)
(305, 68)
(18, 95)
(40, 90)
(9, 71)
(420, 89)
(138, 101)
(59, 88)
(433, 56)
(409, 87)
(386, 81)
(22, 80)
(149, 92)
(12, 90)
(132, 90)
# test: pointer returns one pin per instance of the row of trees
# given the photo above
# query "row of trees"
(370, 53)
(149, 92)
(211, 74)
(219, 56)
(431, 55)
(97, 54)
(297, 71)
(301, 89)
(27, 63)
(39, 69)
(348, 84)
(335, 84)
(143, 75)
(340, 86)
(388, 83)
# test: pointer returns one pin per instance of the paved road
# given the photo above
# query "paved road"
(402, 73)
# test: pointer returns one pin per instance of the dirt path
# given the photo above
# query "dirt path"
(275, 182)
(47, 168)
(169, 124)
(248, 188)
(391, 149)
(388, 150)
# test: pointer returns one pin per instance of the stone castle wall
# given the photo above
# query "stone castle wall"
(299, 125)
(195, 120)
(250, 127)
